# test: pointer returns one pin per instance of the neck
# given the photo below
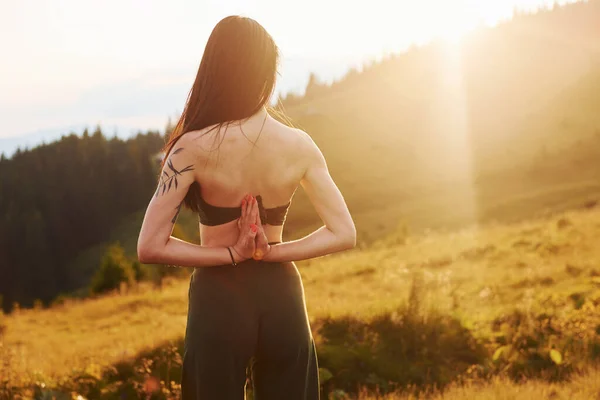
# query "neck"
(256, 118)
(260, 114)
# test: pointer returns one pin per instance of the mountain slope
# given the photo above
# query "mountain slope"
(464, 128)
(501, 127)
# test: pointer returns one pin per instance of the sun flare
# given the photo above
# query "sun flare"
(453, 24)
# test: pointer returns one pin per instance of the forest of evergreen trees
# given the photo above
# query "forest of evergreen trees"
(60, 198)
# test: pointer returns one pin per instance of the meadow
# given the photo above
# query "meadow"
(472, 174)
(490, 312)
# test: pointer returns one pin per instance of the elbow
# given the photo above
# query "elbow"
(147, 253)
(348, 239)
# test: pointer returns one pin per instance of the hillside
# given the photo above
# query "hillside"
(472, 171)
(476, 286)
(510, 112)
(501, 127)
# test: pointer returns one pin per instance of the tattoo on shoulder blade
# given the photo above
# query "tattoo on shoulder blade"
(177, 213)
(168, 179)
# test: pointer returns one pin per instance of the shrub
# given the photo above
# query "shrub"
(114, 270)
(394, 350)
(140, 271)
(545, 346)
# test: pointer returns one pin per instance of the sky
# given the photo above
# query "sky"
(128, 65)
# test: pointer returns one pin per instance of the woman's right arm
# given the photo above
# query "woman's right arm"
(338, 232)
(155, 243)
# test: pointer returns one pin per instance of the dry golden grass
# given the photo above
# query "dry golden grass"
(92, 334)
(403, 123)
(476, 274)
(584, 387)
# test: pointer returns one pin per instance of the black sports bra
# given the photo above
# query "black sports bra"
(213, 215)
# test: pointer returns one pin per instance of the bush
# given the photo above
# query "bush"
(140, 271)
(395, 350)
(544, 345)
(114, 270)
(409, 346)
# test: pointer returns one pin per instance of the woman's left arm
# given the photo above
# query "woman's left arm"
(155, 243)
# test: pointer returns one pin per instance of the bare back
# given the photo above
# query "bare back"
(254, 163)
(260, 156)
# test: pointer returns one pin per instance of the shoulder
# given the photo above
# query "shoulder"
(298, 147)
(183, 146)
(183, 154)
(307, 147)
(196, 145)
(299, 141)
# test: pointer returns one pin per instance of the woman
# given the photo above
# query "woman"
(238, 168)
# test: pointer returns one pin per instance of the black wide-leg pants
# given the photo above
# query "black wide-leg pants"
(252, 314)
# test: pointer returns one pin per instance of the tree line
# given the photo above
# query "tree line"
(58, 199)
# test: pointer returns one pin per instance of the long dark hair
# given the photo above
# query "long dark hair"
(235, 80)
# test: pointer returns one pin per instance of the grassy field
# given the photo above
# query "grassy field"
(472, 284)
(585, 386)
(473, 178)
